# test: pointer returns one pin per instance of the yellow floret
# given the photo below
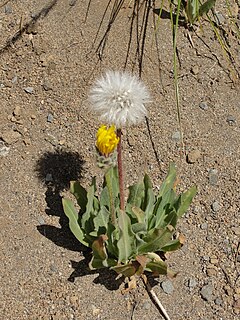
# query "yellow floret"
(106, 140)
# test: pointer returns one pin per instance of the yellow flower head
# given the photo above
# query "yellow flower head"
(106, 140)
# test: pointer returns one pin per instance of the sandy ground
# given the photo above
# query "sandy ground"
(47, 136)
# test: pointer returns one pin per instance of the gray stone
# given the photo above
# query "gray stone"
(53, 268)
(204, 226)
(218, 301)
(167, 286)
(28, 90)
(206, 292)
(176, 136)
(4, 150)
(72, 2)
(216, 206)
(238, 258)
(49, 177)
(203, 105)
(50, 118)
(219, 18)
(231, 120)
(47, 85)
(41, 221)
(213, 177)
(8, 9)
(192, 283)
(146, 305)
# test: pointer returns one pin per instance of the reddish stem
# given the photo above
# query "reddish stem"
(120, 169)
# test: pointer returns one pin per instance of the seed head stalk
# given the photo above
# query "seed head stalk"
(120, 169)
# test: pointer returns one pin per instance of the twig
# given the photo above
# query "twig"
(154, 297)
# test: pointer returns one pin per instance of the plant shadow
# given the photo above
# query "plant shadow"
(56, 170)
(106, 277)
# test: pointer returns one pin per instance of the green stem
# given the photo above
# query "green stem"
(120, 169)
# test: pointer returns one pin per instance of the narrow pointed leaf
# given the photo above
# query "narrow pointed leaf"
(171, 246)
(72, 215)
(206, 6)
(126, 242)
(155, 241)
(185, 200)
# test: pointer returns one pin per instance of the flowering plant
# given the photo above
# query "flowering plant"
(128, 237)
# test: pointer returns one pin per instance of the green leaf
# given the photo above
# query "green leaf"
(157, 267)
(126, 242)
(87, 217)
(139, 228)
(163, 208)
(168, 182)
(104, 198)
(136, 194)
(149, 198)
(101, 219)
(206, 6)
(192, 10)
(155, 240)
(185, 200)
(172, 246)
(80, 194)
(72, 215)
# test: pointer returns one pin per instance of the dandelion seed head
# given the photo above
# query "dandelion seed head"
(119, 98)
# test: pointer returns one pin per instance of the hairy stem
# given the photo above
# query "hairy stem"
(109, 178)
(120, 169)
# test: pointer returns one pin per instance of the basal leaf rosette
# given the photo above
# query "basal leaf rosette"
(133, 240)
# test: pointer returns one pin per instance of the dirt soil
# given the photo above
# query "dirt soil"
(49, 60)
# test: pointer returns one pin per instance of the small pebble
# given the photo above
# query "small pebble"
(195, 70)
(176, 136)
(238, 258)
(146, 305)
(206, 292)
(204, 226)
(219, 18)
(193, 156)
(192, 283)
(215, 206)
(50, 118)
(41, 221)
(231, 120)
(167, 286)
(218, 301)
(17, 111)
(8, 9)
(53, 268)
(203, 105)
(4, 150)
(28, 90)
(49, 177)
(72, 2)
(213, 177)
